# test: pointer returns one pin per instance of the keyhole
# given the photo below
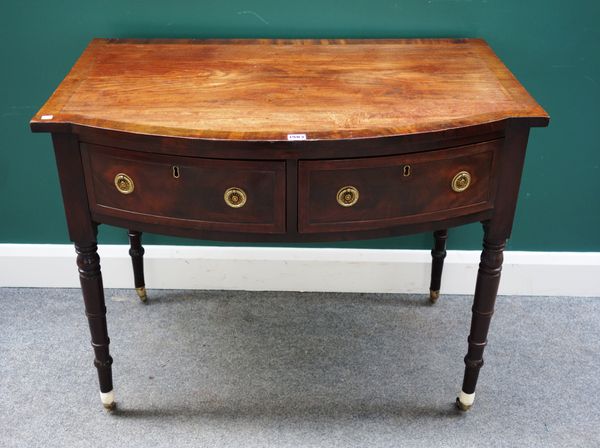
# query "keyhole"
(176, 172)
(406, 170)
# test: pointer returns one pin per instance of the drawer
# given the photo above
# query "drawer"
(371, 193)
(210, 194)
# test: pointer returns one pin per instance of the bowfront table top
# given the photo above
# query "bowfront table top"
(289, 140)
(265, 90)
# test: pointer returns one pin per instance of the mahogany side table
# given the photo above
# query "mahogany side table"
(289, 140)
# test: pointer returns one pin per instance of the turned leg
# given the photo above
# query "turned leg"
(488, 279)
(90, 277)
(137, 260)
(437, 263)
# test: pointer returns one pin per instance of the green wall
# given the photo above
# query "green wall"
(552, 46)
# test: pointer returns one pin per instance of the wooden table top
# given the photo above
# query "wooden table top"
(268, 89)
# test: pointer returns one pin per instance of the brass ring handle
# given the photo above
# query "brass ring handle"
(347, 196)
(124, 183)
(461, 181)
(235, 197)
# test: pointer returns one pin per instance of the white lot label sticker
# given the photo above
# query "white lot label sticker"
(296, 136)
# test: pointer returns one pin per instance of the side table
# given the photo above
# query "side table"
(290, 141)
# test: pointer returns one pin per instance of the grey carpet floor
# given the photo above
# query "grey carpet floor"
(255, 369)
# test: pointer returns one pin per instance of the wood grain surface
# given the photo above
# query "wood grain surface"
(268, 89)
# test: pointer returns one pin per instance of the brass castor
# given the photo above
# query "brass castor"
(463, 407)
(110, 407)
(141, 292)
(434, 295)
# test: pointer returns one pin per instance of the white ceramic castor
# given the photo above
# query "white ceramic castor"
(108, 400)
(465, 401)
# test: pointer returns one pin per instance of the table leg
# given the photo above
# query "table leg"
(488, 279)
(437, 263)
(136, 251)
(90, 277)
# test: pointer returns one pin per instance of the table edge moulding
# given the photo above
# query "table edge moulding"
(289, 141)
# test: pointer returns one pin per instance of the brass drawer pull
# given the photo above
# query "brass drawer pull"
(461, 181)
(347, 196)
(235, 197)
(124, 183)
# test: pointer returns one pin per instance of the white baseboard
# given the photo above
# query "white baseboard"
(302, 269)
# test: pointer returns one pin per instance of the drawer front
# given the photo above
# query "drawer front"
(371, 193)
(209, 194)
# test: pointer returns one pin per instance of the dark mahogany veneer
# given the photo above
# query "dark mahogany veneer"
(289, 140)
